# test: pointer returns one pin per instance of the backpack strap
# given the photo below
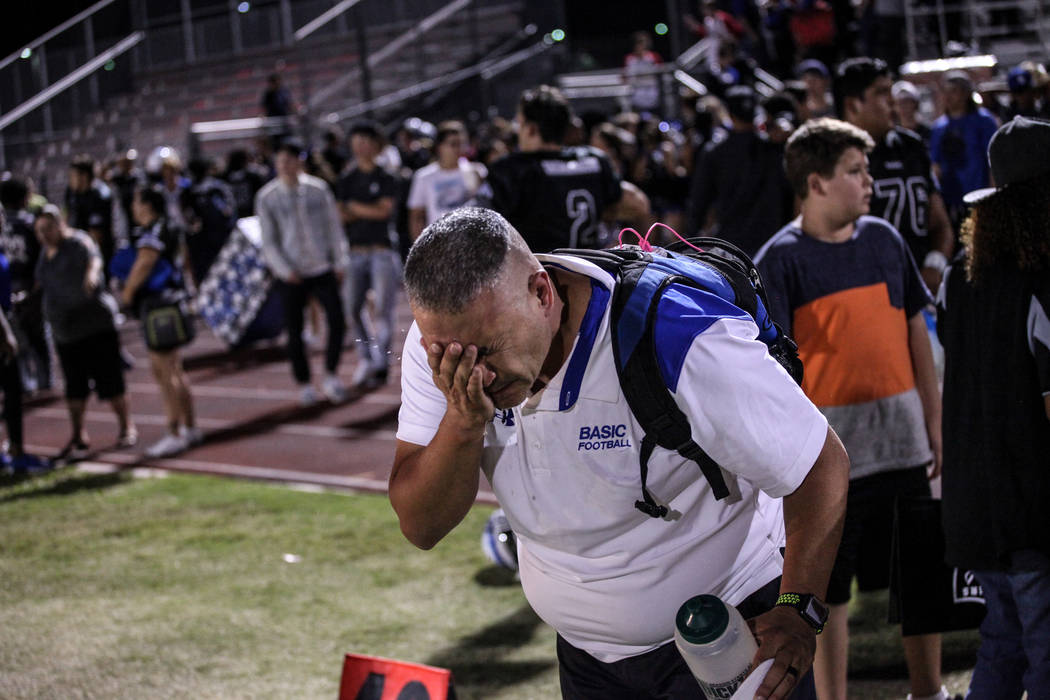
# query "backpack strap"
(637, 365)
(661, 418)
(648, 504)
(649, 399)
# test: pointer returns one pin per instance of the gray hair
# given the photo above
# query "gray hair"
(457, 257)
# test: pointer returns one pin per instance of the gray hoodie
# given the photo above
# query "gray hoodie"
(301, 229)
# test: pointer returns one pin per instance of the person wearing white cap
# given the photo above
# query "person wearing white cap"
(993, 321)
(906, 101)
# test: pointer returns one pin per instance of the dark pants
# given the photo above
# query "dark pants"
(660, 674)
(1015, 635)
(11, 383)
(326, 290)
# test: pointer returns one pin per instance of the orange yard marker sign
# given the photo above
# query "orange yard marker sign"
(375, 678)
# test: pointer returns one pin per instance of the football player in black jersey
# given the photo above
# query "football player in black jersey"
(555, 196)
(905, 191)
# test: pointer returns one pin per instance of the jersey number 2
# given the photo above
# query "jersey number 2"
(583, 212)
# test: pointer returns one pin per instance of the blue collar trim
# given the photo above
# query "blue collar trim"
(570, 388)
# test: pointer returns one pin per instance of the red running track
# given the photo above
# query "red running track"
(247, 405)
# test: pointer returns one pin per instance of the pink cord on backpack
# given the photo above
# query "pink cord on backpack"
(643, 241)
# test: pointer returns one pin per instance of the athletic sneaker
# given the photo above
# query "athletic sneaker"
(308, 396)
(193, 436)
(129, 438)
(366, 376)
(74, 451)
(29, 464)
(168, 446)
(333, 389)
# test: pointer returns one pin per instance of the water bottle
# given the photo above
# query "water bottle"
(716, 644)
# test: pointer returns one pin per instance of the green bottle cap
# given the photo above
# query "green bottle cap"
(702, 619)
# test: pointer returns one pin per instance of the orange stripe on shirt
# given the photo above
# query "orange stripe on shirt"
(854, 344)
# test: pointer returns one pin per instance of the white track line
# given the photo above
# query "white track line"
(227, 392)
(303, 481)
(300, 429)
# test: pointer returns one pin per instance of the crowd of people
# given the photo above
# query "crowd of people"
(852, 207)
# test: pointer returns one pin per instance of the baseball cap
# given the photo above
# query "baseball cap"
(1038, 71)
(812, 65)
(903, 88)
(1019, 78)
(1018, 151)
(961, 77)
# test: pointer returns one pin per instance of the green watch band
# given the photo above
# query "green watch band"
(809, 607)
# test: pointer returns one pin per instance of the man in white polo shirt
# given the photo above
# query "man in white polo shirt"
(509, 371)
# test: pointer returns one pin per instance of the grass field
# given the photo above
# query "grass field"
(118, 587)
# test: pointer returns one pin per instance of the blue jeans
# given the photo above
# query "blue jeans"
(1015, 635)
(380, 271)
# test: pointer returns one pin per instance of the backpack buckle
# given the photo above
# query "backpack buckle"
(653, 510)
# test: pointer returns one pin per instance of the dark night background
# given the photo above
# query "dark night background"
(595, 27)
(30, 25)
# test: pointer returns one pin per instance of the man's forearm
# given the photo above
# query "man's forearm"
(942, 237)
(813, 517)
(433, 488)
(379, 211)
(925, 373)
(942, 244)
(926, 383)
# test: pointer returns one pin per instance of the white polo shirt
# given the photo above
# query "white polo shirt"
(565, 468)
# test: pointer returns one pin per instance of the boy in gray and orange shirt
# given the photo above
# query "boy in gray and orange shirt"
(845, 285)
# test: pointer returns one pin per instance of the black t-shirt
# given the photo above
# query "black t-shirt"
(741, 176)
(245, 184)
(210, 205)
(903, 181)
(19, 244)
(996, 484)
(124, 186)
(277, 102)
(90, 209)
(367, 188)
(554, 199)
(160, 237)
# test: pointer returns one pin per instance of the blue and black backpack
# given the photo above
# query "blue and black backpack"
(642, 275)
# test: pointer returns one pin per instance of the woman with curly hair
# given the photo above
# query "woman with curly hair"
(992, 320)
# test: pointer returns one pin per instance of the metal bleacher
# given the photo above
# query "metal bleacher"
(1011, 30)
(175, 83)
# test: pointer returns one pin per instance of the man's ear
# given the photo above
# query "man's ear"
(541, 287)
(815, 184)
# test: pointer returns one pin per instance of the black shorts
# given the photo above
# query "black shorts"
(97, 358)
(660, 673)
(868, 530)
